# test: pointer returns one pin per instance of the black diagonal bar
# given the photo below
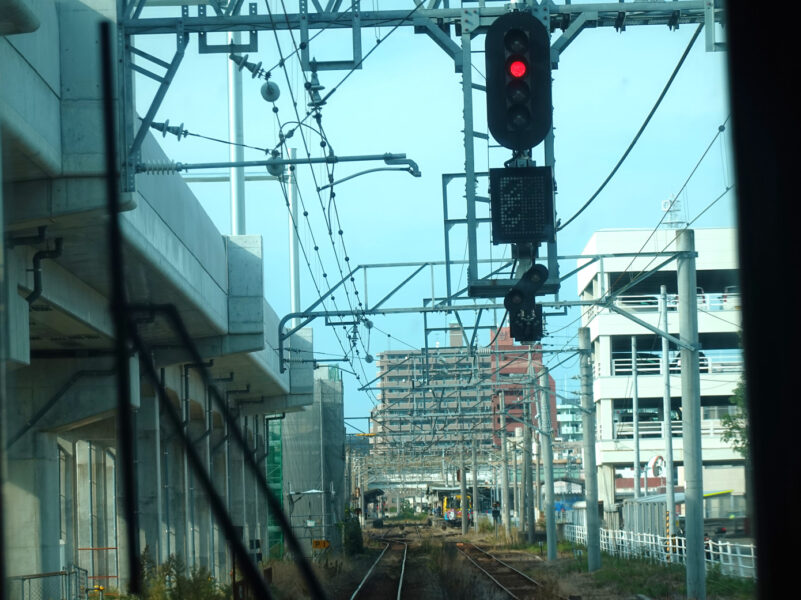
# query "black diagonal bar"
(174, 318)
(216, 503)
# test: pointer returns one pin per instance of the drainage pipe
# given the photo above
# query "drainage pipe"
(37, 269)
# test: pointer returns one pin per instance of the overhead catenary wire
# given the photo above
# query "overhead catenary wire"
(640, 132)
(300, 122)
(324, 143)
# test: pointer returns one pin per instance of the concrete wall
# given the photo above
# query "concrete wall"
(62, 493)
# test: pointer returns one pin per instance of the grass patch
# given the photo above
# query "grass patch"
(486, 526)
(639, 576)
(724, 586)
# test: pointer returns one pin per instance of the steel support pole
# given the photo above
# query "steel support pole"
(323, 503)
(547, 455)
(469, 157)
(691, 415)
(504, 471)
(517, 487)
(187, 523)
(242, 423)
(209, 425)
(236, 137)
(590, 468)
(524, 482)
(475, 487)
(537, 473)
(529, 475)
(463, 488)
(635, 415)
(443, 471)
(294, 247)
(667, 424)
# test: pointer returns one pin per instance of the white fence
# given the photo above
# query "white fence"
(736, 560)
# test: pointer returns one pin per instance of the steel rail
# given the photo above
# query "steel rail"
(499, 561)
(389, 542)
(366, 577)
(487, 573)
(403, 570)
(496, 559)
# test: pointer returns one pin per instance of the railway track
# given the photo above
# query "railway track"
(385, 577)
(512, 581)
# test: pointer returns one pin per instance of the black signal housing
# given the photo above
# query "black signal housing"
(519, 109)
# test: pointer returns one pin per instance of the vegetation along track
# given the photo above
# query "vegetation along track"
(385, 577)
(515, 583)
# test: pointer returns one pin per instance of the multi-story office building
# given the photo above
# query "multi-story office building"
(612, 334)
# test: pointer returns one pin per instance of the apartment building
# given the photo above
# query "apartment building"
(432, 396)
(613, 266)
(515, 371)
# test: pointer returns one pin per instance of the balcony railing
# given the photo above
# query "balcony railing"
(706, 302)
(651, 363)
(653, 429)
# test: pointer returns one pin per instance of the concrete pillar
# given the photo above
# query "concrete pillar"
(236, 484)
(220, 476)
(151, 518)
(606, 485)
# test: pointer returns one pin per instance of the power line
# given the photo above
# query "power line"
(639, 133)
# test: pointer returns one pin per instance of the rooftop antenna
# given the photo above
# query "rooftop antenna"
(673, 219)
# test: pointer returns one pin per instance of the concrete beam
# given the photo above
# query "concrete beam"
(245, 284)
(64, 290)
(66, 201)
(17, 17)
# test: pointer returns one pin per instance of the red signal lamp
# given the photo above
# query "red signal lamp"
(517, 68)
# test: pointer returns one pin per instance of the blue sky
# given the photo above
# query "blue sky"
(407, 99)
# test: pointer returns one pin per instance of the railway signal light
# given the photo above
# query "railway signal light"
(518, 69)
(521, 205)
(525, 315)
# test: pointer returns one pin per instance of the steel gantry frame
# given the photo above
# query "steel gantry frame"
(435, 19)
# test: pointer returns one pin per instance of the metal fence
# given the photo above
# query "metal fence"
(737, 560)
(57, 585)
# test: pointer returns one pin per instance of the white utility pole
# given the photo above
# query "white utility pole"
(504, 471)
(529, 474)
(667, 425)
(475, 487)
(463, 486)
(236, 137)
(635, 415)
(691, 415)
(547, 455)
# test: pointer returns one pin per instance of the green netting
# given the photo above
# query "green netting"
(275, 479)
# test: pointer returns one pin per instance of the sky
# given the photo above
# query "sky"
(407, 98)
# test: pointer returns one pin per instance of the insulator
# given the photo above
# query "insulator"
(159, 167)
(165, 128)
(242, 62)
(254, 69)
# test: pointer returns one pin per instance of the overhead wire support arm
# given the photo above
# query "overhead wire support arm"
(679, 12)
(164, 84)
(413, 171)
(275, 162)
(310, 316)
